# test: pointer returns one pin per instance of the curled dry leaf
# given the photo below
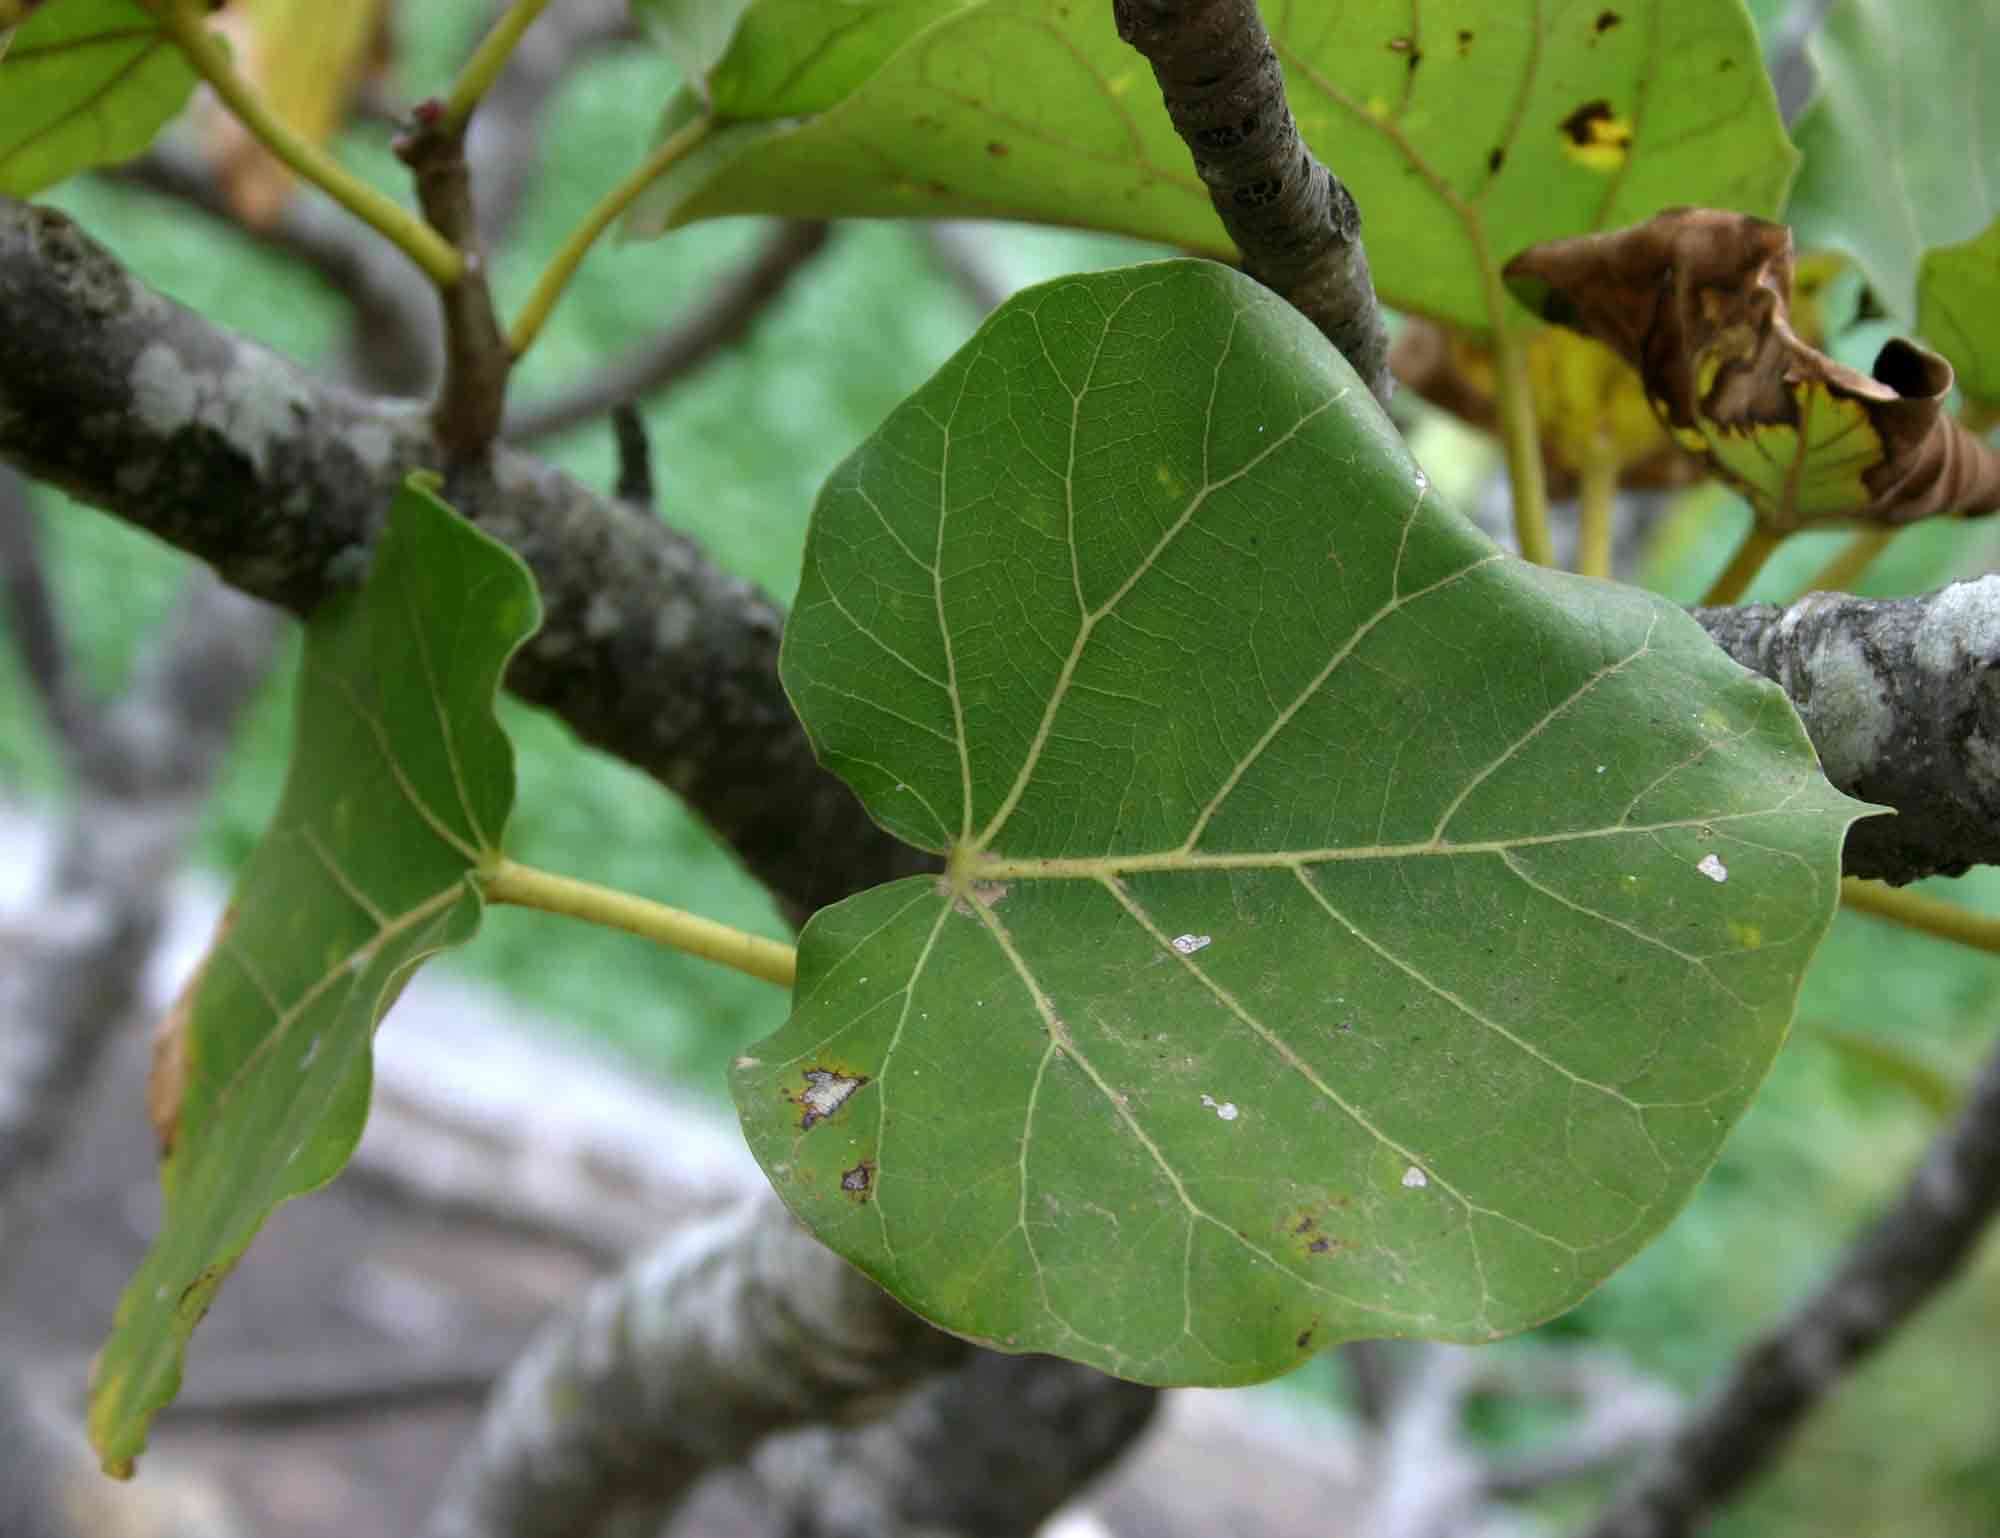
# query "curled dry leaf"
(1698, 300)
(166, 1083)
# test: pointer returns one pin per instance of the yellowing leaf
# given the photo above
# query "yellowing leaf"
(305, 57)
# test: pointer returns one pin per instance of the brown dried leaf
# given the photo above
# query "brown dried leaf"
(1698, 301)
(167, 1081)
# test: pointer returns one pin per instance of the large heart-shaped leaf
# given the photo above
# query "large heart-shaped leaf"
(1902, 146)
(84, 83)
(1466, 133)
(1349, 930)
(400, 788)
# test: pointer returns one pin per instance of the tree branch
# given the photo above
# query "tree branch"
(721, 321)
(32, 621)
(732, 1329)
(1902, 700)
(280, 481)
(1905, 1258)
(1295, 223)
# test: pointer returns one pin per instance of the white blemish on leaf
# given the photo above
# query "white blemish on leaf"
(1187, 945)
(1712, 868)
(1226, 1109)
(826, 1091)
(311, 1052)
(1415, 1179)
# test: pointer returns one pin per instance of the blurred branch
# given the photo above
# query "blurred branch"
(394, 347)
(32, 622)
(1295, 223)
(733, 1328)
(73, 962)
(722, 319)
(990, 1450)
(1890, 1272)
(1787, 59)
(963, 250)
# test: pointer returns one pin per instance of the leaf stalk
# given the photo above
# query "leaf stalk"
(442, 262)
(525, 887)
(1743, 567)
(1913, 910)
(488, 60)
(563, 265)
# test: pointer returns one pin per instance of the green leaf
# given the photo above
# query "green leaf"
(400, 788)
(1902, 148)
(1349, 931)
(1465, 138)
(695, 34)
(1958, 310)
(86, 83)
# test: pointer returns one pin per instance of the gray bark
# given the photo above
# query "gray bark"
(732, 1329)
(1902, 699)
(280, 481)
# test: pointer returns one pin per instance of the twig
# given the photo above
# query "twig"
(1853, 559)
(1896, 1267)
(1295, 223)
(722, 320)
(1750, 558)
(477, 360)
(188, 31)
(634, 486)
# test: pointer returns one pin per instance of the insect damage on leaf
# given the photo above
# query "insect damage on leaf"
(1698, 301)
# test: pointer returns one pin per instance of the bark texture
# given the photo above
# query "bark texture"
(1296, 225)
(278, 480)
(1902, 699)
(732, 1329)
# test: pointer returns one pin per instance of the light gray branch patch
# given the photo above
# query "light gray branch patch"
(257, 401)
(1846, 708)
(1961, 625)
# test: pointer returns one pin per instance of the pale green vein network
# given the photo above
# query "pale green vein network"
(1197, 621)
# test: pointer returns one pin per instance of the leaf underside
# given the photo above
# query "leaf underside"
(1466, 132)
(400, 787)
(1350, 931)
(85, 83)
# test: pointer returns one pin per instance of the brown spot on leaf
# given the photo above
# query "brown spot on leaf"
(859, 1181)
(1596, 137)
(995, 148)
(1464, 41)
(1321, 1246)
(1495, 159)
(1606, 20)
(1305, 1337)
